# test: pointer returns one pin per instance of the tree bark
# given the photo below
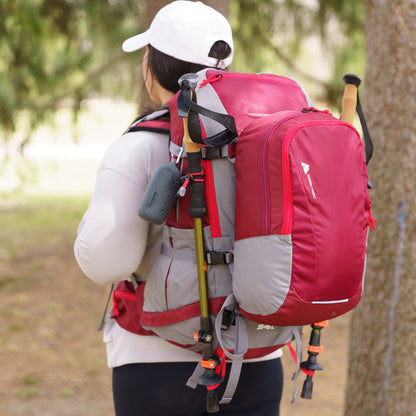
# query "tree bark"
(382, 362)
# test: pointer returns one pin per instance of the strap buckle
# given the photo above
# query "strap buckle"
(214, 152)
(214, 257)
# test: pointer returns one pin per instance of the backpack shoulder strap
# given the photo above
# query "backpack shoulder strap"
(157, 122)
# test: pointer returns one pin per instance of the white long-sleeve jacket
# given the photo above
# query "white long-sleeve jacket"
(113, 241)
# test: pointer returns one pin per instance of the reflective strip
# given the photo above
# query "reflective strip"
(329, 302)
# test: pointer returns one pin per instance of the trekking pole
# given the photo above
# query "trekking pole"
(350, 104)
(311, 365)
(349, 99)
(197, 211)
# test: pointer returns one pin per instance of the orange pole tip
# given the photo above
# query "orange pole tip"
(210, 364)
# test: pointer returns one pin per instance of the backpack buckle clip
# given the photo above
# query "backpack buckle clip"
(214, 257)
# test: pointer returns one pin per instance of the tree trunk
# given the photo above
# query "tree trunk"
(382, 367)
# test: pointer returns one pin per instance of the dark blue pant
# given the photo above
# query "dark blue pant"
(158, 389)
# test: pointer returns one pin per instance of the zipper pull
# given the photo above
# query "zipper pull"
(182, 190)
(371, 220)
(315, 110)
(212, 78)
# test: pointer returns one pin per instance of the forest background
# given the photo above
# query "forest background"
(67, 91)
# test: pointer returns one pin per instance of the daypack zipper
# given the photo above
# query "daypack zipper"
(287, 180)
(263, 168)
(286, 175)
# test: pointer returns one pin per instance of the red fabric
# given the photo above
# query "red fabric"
(211, 199)
(157, 124)
(172, 316)
(246, 94)
(128, 307)
(295, 359)
(329, 229)
(260, 177)
(296, 312)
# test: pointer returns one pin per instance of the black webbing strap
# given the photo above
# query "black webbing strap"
(213, 152)
(226, 120)
(368, 144)
(147, 128)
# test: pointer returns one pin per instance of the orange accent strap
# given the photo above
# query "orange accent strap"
(220, 370)
(316, 348)
(323, 324)
(293, 354)
(210, 364)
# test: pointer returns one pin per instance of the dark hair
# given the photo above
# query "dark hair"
(167, 70)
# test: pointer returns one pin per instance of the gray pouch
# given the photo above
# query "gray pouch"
(161, 194)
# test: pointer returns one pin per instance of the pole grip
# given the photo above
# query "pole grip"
(190, 145)
(349, 99)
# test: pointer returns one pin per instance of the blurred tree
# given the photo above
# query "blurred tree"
(55, 49)
(382, 370)
(275, 36)
(58, 49)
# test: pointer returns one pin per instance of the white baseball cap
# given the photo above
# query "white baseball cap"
(186, 30)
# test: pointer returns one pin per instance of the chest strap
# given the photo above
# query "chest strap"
(207, 152)
(212, 258)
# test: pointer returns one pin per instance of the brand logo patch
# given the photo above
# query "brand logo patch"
(306, 167)
(262, 326)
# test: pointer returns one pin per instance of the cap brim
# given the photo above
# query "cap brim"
(136, 42)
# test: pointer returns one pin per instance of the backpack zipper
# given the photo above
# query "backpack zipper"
(263, 165)
(287, 180)
(220, 75)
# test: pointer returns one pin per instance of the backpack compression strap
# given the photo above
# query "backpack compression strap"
(221, 139)
(155, 122)
(350, 104)
(367, 138)
(156, 126)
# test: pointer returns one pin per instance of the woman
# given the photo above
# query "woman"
(114, 243)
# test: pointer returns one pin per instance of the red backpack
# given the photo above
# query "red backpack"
(288, 213)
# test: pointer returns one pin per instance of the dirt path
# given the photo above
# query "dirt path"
(53, 360)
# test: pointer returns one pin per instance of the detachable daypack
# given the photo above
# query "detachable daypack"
(300, 248)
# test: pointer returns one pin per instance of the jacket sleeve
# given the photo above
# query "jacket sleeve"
(112, 238)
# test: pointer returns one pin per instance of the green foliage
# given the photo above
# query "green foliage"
(273, 36)
(55, 49)
(52, 50)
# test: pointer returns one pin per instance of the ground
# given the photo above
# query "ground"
(52, 357)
